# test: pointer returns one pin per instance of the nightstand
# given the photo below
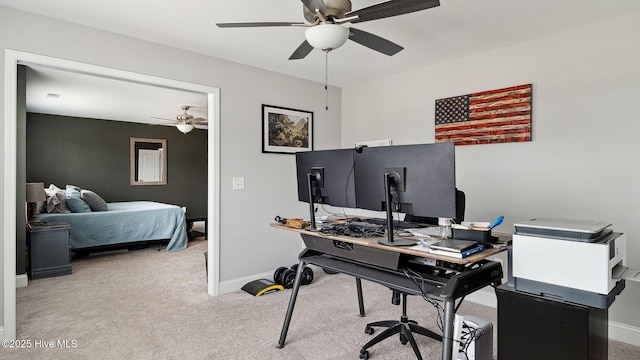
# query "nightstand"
(193, 233)
(49, 252)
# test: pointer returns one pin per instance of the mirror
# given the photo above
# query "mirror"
(148, 161)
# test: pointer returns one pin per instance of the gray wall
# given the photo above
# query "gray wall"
(248, 246)
(582, 162)
(94, 154)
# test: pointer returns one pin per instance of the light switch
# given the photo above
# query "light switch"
(238, 183)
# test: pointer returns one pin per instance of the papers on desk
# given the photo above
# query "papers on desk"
(425, 243)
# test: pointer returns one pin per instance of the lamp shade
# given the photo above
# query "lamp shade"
(326, 36)
(185, 128)
(35, 192)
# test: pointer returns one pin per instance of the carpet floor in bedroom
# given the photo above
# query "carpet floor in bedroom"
(149, 304)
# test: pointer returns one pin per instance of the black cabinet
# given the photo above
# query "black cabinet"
(49, 253)
(191, 233)
(532, 327)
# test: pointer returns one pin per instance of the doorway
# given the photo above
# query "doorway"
(15, 58)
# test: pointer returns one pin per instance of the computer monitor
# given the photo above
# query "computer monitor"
(418, 179)
(326, 177)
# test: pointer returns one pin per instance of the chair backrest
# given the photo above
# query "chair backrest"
(460, 207)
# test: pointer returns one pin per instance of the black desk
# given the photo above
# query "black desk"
(364, 258)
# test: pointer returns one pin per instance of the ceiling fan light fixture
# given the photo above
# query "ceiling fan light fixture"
(185, 128)
(327, 36)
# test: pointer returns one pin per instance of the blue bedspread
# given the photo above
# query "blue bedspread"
(126, 222)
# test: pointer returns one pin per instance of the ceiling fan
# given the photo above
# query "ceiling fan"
(185, 122)
(325, 24)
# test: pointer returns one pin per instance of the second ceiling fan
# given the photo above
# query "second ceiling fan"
(325, 24)
(184, 122)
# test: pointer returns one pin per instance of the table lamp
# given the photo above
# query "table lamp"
(35, 193)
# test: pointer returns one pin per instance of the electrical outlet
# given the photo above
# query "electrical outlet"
(238, 183)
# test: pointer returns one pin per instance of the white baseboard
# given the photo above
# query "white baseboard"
(2, 333)
(624, 333)
(22, 280)
(617, 331)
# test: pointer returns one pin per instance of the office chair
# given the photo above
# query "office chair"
(404, 326)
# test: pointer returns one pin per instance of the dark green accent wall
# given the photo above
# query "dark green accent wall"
(94, 154)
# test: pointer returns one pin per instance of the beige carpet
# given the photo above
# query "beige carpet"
(148, 304)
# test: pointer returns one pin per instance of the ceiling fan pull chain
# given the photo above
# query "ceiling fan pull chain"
(326, 80)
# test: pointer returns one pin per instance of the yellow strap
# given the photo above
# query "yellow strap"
(270, 288)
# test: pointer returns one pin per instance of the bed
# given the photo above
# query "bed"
(125, 222)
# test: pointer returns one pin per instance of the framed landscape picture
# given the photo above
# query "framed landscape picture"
(286, 131)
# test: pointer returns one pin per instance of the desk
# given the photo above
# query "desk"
(364, 258)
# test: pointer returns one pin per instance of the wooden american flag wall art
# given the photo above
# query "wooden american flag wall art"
(494, 116)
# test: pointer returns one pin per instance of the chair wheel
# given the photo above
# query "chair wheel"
(364, 354)
(403, 339)
(369, 330)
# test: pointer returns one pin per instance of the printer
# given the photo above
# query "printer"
(573, 260)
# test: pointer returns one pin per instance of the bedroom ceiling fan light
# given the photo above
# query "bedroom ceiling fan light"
(327, 36)
(185, 128)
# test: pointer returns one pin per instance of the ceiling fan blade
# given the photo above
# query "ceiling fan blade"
(257, 24)
(312, 5)
(374, 42)
(159, 118)
(391, 8)
(198, 121)
(303, 50)
(163, 123)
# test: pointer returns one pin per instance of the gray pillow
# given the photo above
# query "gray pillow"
(95, 202)
(74, 200)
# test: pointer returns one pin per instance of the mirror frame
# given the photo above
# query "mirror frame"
(132, 158)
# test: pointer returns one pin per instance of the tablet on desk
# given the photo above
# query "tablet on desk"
(454, 245)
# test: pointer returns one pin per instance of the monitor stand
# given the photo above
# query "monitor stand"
(311, 179)
(390, 241)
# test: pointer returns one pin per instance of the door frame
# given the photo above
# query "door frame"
(12, 60)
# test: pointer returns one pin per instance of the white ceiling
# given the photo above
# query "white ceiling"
(96, 97)
(454, 29)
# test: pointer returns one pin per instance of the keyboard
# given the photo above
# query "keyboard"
(396, 224)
